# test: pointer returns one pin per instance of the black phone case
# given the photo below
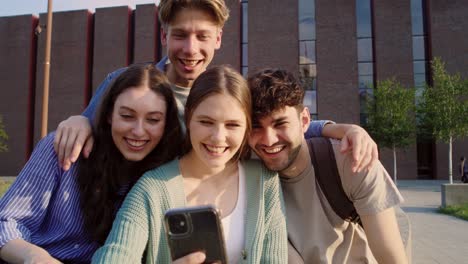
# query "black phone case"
(205, 234)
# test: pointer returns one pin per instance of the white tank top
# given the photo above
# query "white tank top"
(234, 223)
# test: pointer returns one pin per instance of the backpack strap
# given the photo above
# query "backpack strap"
(329, 180)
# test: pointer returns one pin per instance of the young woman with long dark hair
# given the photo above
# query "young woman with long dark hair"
(52, 216)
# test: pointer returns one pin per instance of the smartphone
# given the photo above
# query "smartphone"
(193, 229)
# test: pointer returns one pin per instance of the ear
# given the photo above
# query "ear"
(305, 119)
(219, 37)
(164, 36)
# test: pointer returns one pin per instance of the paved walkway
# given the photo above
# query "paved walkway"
(437, 238)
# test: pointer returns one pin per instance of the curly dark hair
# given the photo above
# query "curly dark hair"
(106, 176)
(273, 89)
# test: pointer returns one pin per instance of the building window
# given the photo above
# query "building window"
(420, 63)
(307, 62)
(365, 55)
(245, 38)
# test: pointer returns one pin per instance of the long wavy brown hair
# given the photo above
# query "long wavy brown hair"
(106, 176)
(222, 80)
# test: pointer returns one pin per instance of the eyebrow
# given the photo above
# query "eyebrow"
(131, 110)
(210, 118)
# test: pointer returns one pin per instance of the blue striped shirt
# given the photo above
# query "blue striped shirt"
(43, 207)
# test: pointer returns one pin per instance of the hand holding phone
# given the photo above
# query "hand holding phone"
(193, 229)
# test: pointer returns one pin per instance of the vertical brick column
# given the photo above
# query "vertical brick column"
(147, 41)
(17, 82)
(230, 45)
(69, 70)
(392, 47)
(273, 35)
(337, 73)
(112, 41)
(448, 40)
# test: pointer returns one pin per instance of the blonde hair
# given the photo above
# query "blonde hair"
(216, 8)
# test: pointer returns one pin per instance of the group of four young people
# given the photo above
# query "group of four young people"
(136, 130)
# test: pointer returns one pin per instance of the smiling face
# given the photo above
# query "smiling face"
(217, 129)
(277, 137)
(137, 122)
(191, 39)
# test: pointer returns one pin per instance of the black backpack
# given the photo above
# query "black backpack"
(328, 178)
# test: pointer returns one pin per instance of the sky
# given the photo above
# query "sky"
(21, 7)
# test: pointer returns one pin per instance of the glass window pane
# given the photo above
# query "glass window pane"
(417, 17)
(418, 48)
(245, 71)
(364, 50)
(364, 95)
(307, 75)
(363, 119)
(365, 68)
(363, 17)
(420, 80)
(306, 20)
(310, 100)
(245, 22)
(306, 52)
(419, 67)
(366, 82)
(245, 54)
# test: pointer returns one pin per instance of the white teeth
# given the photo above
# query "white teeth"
(273, 150)
(190, 62)
(136, 143)
(216, 150)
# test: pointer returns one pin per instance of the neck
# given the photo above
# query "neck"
(175, 79)
(192, 167)
(299, 164)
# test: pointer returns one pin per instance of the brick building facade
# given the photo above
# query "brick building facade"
(337, 54)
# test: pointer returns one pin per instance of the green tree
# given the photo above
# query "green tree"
(3, 137)
(391, 117)
(443, 108)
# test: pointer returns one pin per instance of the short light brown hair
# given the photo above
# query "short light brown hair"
(216, 8)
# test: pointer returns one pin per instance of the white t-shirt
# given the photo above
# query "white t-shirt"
(234, 223)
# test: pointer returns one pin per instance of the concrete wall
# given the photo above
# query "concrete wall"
(454, 194)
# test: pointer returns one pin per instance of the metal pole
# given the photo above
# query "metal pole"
(45, 98)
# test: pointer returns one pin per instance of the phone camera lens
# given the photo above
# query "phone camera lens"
(178, 224)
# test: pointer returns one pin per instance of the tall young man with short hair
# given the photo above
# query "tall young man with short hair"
(192, 32)
(316, 233)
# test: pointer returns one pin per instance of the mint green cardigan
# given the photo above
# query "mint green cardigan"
(139, 223)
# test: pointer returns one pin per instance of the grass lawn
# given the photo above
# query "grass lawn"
(460, 211)
(4, 185)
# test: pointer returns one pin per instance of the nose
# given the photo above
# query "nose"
(218, 134)
(191, 45)
(138, 128)
(268, 137)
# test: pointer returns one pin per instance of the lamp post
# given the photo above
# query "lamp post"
(45, 98)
